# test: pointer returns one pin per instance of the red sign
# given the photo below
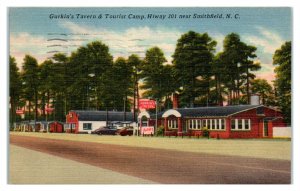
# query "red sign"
(147, 104)
(20, 111)
(147, 130)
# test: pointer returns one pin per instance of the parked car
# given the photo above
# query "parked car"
(106, 130)
(125, 131)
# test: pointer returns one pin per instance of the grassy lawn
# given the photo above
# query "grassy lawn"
(260, 148)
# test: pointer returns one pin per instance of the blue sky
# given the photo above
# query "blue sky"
(31, 28)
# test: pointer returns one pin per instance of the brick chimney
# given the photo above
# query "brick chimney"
(175, 101)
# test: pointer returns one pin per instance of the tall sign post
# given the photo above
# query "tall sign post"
(149, 104)
(156, 110)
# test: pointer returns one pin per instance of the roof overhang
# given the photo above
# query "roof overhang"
(254, 107)
(171, 112)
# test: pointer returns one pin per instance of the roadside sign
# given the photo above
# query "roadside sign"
(147, 104)
(149, 130)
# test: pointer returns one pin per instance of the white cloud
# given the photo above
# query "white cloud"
(25, 43)
(134, 40)
(122, 43)
(266, 40)
(219, 38)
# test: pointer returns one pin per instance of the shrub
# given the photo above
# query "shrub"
(205, 132)
(160, 131)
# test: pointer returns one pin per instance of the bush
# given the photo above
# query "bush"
(160, 131)
(205, 132)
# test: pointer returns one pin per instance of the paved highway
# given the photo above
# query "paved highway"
(162, 165)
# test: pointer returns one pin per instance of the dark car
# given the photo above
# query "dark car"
(107, 130)
(125, 131)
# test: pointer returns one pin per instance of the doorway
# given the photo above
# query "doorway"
(266, 130)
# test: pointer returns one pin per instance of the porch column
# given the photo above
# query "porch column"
(140, 127)
(270, 129)
(179, 123)
(260, 128)
(166, 124)
(228, 127)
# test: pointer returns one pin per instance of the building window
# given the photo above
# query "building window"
(204, 123)
(208, 122)
(233, 124)
(247, 124)
(214, 124)
(190, 124)
(260, 111)
(194, 124)
(87, 126)
(172, 124)
(222, 123)
(198, 124)
(240, 124)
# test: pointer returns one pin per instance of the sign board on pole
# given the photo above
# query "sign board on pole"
(147, 130)
(19, 111)
(147, 104)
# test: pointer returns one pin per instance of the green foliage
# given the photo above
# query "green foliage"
(205, 132)
(92, 65)
(237, 60)
(265, 91)
(282, 60)
(155, 75)
(15, 88)
(122, 83)
(31, 82)
(30, 76)
(53, 90)
(192, 65)
(160, 131)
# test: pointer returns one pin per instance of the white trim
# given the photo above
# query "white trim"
(171, 112)
(143, 113)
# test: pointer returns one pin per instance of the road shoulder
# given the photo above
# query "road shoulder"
(33, 167)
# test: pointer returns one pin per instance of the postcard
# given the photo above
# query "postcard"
(150, 95)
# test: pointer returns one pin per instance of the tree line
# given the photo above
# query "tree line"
(90, 79)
